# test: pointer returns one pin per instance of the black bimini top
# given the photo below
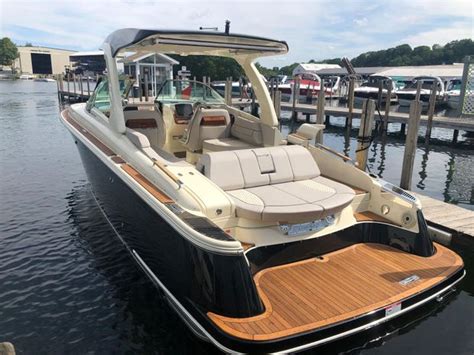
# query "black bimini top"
(128, 37)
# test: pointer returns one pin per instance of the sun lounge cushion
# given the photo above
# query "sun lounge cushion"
(222, 144)
(276, 184)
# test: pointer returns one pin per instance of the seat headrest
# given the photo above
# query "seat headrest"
(246, 168)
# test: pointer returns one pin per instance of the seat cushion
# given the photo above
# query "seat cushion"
(222, 144)
(275, 184)
(271, 204)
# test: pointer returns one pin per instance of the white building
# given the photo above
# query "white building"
(156, 68)
(312, 68)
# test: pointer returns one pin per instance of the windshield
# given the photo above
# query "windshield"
(101, 97)
(183, 90)
(455, 85)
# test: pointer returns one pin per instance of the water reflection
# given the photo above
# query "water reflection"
(134, 309)
(442, 170)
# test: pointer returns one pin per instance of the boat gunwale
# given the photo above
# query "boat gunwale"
(171, 215)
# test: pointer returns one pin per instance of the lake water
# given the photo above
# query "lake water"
(67, 285)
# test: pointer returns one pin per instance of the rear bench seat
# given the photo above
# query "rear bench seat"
(275, 184)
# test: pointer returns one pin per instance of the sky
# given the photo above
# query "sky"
(312, 29)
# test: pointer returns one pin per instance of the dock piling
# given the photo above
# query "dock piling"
(350, 102)
(455, 136)
(88, 86)
(321, 102)
(146, 87)
(379, 95)
(365, 133)
(410, 145)
(387, 108)
(418, 90)
(228, 91)
(81, 84)
(431, 109)
(74, 82)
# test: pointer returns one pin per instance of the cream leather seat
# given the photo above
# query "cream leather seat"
(275, 184)
(148, 122)
(207, 124)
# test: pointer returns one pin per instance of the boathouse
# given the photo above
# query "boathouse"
(41, 60)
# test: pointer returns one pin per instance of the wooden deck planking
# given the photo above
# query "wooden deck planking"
(394, 117)
(447, 216)
(314, 293)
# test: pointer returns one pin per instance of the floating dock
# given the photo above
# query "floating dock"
(446, 216)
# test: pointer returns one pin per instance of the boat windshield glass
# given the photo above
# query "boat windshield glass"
(182, 90)
(100, 99)
(454, 85)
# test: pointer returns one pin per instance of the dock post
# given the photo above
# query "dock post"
(277, 104)
(81, 84)
(365, 133)
(387, 108)
(140, 89)
(418, 90)
(410, 145)
(74, 82)
(455, 136)
(228, 92)
(295, 93)
(68, 92)
(61, 82)
(379, 95)
(431, 109)
(146, 87)
(88, 86)
(320, 111)
(350, 102)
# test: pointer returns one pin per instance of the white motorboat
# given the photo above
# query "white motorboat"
(408, 93)
(370, 89)
(453, 93)
(261, 243)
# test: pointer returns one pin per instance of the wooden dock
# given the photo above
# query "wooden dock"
(446, 216)
(456, 123)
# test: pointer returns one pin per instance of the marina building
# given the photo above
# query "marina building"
(42, 60)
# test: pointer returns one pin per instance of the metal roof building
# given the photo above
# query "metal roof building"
(447, 71)
(42, 60)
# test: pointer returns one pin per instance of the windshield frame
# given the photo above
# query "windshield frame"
(218, 99)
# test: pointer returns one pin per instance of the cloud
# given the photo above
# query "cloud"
(441, 35)
(361, 21)
(313, 29)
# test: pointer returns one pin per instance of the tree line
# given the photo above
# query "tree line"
(453, 52)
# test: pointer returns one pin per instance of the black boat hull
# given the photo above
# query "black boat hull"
(197, 281)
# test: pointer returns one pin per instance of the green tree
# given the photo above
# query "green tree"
(8, 51)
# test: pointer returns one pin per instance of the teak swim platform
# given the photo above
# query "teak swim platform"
(261, 243)
(346, 284)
